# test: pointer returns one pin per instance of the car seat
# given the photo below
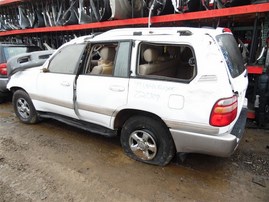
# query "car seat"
(106, 63)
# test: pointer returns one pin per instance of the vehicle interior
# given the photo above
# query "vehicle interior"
(166, 61)
(101, 59)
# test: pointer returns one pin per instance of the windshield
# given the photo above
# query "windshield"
(15, 50)
(231, 54)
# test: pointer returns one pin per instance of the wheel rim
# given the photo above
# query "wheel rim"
(143, 145)
(23, 108)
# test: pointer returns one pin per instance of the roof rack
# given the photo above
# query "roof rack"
(91, 36)
(184, 33)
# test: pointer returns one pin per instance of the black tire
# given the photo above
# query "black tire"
(147, 140)
(2, 100)
(24, 108)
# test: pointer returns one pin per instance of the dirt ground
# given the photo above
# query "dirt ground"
(51, 161)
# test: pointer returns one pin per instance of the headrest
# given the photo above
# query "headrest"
(171, 50)
(150, 55)
(186, 54)
(107, 53)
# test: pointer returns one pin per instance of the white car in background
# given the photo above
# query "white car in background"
(163, 90)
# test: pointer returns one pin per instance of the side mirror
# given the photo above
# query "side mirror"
(45, 69)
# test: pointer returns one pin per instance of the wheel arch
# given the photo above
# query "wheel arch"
(125, 114)
(15, 88)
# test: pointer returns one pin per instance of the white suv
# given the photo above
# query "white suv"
(163, 90)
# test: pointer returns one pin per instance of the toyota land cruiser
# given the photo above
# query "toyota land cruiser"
(163, 90)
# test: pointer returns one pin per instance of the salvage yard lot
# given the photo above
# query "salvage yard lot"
(51, 161)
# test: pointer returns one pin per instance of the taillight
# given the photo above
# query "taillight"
(3, 69)
(225, 30)
(224, 112)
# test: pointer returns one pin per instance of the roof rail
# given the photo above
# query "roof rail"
(137, 33)
(184, 33)
(91, 36)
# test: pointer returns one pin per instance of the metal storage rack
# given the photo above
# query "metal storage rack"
(232, 14)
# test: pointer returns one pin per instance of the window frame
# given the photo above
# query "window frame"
(88, 58)
(77, 65)
(159, 77)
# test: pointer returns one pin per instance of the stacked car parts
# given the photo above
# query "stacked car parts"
(32, 14)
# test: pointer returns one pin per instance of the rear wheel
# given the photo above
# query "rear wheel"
(24, 107)
(147, 140)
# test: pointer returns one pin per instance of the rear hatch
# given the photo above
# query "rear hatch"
(13, 50)
(9, 51)
(236, 69)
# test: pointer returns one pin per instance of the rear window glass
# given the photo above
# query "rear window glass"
(231, 54)
(15, 50)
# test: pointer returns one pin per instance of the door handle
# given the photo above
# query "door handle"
(117, 88)
(65, 83)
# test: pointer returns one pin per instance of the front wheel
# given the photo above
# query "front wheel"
(24, 108)
(2, 100)
(147, 140)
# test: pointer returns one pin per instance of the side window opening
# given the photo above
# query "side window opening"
(167, 61)
(101, 60)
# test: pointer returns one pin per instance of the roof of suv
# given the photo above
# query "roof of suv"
(145, 33)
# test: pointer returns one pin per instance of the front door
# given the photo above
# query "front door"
(55, 85)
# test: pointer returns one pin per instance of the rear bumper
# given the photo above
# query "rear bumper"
(220, 145)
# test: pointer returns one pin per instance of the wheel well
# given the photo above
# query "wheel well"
(13, 89)
(125, 114)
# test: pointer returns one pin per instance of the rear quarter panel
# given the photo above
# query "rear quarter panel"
(185, 103)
